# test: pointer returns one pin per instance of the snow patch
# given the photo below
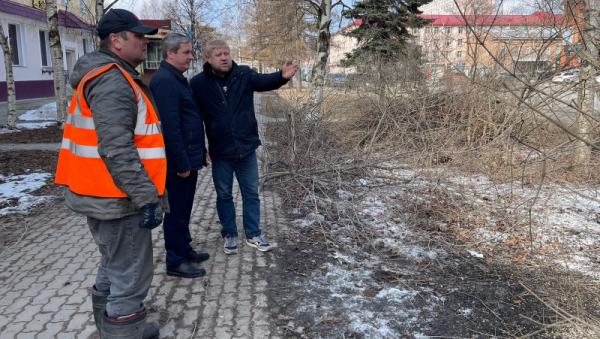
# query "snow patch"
(35, 125)
(346, 293)
(475, 254)
(17, 188)
(45, 113)
(42, 117)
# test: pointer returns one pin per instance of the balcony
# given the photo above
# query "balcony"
(151, 64)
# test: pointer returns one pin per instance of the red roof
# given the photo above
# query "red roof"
(534, 19)
(164, 24)
(65, 19)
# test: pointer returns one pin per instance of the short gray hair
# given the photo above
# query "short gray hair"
(172, 42)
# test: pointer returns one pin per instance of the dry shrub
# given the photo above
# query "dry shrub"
(459, 126)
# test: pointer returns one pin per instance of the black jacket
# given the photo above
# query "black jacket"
(180, 118)
(229, 117)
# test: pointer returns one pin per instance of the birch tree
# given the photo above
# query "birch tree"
(187, 17)
(323, 13)
(57, 61)
(99, 9)
(10, 80)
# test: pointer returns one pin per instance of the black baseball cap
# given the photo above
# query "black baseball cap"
(118, 20)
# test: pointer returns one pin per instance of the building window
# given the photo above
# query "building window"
(436, 30)
(85, 46)
(16, 44)
(459, 54)
(461, 30)
(44, 48)
(154, 55)
(82, 6)
(459, 42)
(448, 43)
(448, 30)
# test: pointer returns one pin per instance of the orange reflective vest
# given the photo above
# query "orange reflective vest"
(79, 164)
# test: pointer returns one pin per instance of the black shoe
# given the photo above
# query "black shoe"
(194, 256)
(151, 331)
(186, 270)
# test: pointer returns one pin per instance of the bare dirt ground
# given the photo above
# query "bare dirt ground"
(379, 276)
(388, 254)
(34, 136)
(24, 162)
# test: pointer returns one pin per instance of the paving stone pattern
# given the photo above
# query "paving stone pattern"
(45, 276)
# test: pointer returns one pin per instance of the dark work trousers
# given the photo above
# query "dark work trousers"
(125, 270)
(176, 225)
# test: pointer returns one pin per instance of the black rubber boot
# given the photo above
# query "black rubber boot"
(98, 306)
(151, 331)
(127, 327)
(99, 300)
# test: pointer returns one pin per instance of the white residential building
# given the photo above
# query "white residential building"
(27, 30)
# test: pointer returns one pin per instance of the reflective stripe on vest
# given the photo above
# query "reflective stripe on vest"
(80, 166)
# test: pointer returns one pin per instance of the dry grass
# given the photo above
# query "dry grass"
(460, 127)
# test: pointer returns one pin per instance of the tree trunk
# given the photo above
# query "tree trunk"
(298, 78)
(10, 81)
(320, 68)
(99, 9)
(588, 87)
(57, 61)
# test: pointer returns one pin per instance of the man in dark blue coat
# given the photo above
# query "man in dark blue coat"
(184, 140)
(224, 93)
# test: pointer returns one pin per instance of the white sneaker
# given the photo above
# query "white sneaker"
(260, 243)
(230, 246)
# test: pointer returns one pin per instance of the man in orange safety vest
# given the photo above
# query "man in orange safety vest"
(112, 160)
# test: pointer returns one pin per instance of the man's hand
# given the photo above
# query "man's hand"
(288, 70)
(207, 159)
(152, 216)
(184, 174)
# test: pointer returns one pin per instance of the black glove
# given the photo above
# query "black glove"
(152, 216)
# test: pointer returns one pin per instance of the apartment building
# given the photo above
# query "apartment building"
(491, 43)
(469, 7)
(573, 22)
(25, 25)
(340, 45)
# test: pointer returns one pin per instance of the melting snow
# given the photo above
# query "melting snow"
(375, 315)
(35, 125)
(42, 117)
(17, 188)
(44, 113)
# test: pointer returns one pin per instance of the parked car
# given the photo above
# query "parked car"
(336, 79)
(571, 75)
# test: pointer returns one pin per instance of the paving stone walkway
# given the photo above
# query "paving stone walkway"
(44, 278)
(29, 147)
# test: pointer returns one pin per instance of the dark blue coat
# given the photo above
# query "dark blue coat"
(229, 118)
(180, 118)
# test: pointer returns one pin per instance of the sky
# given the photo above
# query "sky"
(223, 7)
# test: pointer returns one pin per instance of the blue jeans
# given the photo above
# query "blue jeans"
(246, 173)
(176, 225)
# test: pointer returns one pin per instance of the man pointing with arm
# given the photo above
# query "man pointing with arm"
(224, 93)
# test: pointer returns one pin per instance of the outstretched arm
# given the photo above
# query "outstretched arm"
(272, 81)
